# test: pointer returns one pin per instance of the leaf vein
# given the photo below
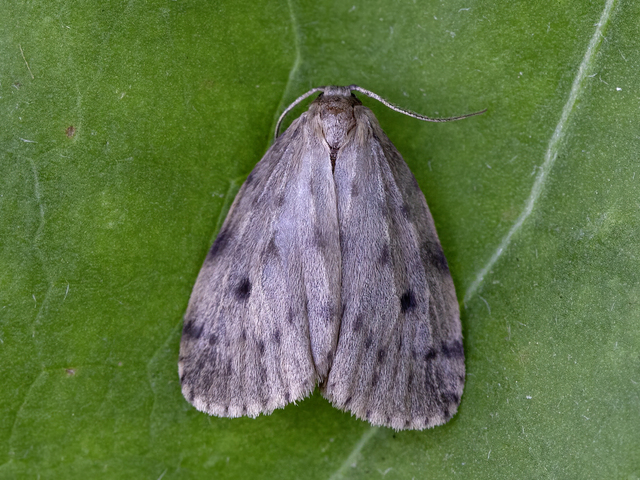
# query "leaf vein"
(552, 149)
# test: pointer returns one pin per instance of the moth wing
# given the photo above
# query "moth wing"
(263, 316)
(399, 360)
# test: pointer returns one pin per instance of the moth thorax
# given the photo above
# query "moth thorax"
(336, 118)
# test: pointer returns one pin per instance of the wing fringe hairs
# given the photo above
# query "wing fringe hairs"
(327, 270)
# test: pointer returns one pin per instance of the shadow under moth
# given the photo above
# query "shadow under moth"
(327, 270)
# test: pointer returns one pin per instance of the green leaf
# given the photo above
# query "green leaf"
(127, 130)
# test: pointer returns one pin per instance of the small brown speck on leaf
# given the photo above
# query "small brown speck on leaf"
(71, 372)
(71, 131)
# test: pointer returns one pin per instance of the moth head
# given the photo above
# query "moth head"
(345, 92)
(335, 91)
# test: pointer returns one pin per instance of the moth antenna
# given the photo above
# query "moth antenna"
(409, 112)
(296, 102)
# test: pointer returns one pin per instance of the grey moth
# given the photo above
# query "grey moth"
(327, 271)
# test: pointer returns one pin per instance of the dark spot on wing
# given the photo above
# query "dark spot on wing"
(328, 312)
(381, 354)
(228, 370)
(447, 414)
(261, 347)
(453, 349)
(450, 397)
(250, 178)
(388, 420)
(290, 316)
(368, 414)
(319, 238)
(191, 396)
(435, 256)
(287, 397)
(244, 409)
(374, 380)
(347, 401)
(410, 379)
(357, 324)
(408, 301)
(280, 200)
(368, 342)
(276, 336)
(243, 335)
(222, 240)
(329, 358)
(213, 339)
(355, 191)
(272, 249)
(190, 329)
(243, 289)
(406, 211)
(430, 355)
(385, 255)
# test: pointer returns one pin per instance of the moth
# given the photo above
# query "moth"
(327, 271)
